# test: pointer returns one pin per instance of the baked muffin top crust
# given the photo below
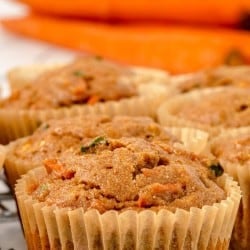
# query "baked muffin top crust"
(227, 108)
(128, 173)
(57, 137)
(222, 76)
(234, 149)
(85, 81)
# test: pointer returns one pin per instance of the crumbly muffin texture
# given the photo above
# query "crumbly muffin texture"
(56, 137)
(86, 80)
(227, 108)
(128, 173)
(235, 149)
(221, 76)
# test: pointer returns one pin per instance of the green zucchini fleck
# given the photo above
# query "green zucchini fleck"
(96, 141)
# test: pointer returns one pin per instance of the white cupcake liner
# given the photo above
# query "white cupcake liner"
(241, 174)
(208, 227)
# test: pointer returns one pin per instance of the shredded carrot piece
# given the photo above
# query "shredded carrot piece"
(52, 165)
(93, 99)
(169, 187)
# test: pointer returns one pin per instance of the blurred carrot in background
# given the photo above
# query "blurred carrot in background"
(201, 11)
(178, 49)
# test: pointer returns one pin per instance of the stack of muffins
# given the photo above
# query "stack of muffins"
(96, 171)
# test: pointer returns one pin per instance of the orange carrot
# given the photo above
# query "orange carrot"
(206, 11)
(58, 169)
(93, 99)
(53, 164)
(174, 48)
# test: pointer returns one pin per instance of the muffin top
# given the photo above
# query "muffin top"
(56, 137)
(85, 81)
(222, 76)
(129, 173)
(227, 108)
(233, 149)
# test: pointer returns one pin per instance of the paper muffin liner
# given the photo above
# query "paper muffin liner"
(166, 114)
(193, 140)
(15, 167)
(209, 227)
(241, 174)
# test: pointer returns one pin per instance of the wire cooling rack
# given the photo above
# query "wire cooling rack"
(8, 211)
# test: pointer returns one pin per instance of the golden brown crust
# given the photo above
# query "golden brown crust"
(56, 137)
(155, 175)
(235, 149)
(210, 109)
(217, 77)
(228, 108)
(86, 80)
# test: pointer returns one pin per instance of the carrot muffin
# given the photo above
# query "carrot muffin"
(56, 137)
(237, 76)
(87, 80)
(209, 109)
(128, 193)
(232, 149)
(87, 85)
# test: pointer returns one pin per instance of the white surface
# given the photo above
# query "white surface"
(15, 51)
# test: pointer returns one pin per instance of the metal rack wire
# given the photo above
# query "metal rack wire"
(7, 204)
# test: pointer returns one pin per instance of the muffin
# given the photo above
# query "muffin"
(128, 193)
(232, 150)
(56, 137)
(212, 110)
(87, 85)
(237, 76)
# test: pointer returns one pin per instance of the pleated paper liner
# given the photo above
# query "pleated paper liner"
(194, 140)
(50, 227)
(240, 173)
(167, 111)
(191, 139)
